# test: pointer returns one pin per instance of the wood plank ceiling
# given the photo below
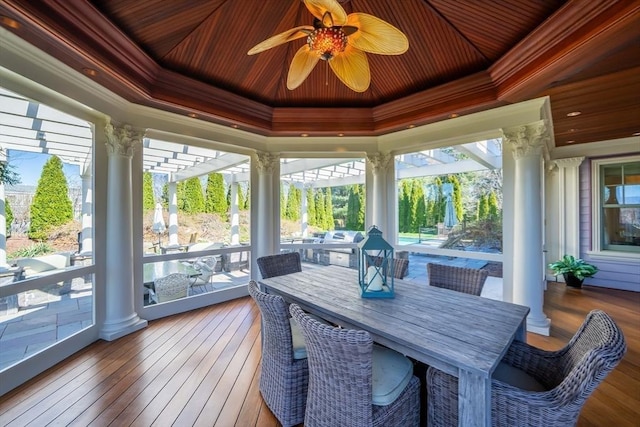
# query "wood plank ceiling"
(189, 56)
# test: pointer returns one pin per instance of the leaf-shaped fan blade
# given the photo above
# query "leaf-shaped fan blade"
(352, 68)
(376, 36)
(319, 7)
(301, 66)
(278, 39)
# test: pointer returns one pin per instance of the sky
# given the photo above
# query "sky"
(29, 165)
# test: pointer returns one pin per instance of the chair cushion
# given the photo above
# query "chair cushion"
(516, 377)
(299, 348)
(392, 372)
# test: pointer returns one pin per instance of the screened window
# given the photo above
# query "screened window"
(619, 205)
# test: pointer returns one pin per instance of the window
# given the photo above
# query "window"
(617, 204)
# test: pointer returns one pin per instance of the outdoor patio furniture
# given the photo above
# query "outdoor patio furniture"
(285, 375)
(400, 266)
(461, 279)
(171, 287)
(206, 266)
(533, 387)
(354, 383)
(279, 264)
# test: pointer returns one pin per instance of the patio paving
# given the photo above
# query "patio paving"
(49, 317)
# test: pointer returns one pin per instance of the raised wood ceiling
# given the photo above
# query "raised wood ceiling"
(189, 56)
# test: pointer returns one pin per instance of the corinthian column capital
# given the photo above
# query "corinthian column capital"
(266, 162)
(122, 140)
(379, 161)
(526, 140)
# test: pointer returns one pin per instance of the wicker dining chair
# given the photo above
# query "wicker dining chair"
(353, 382)
(206, 266)
(467, 280)
(168, 288)
(533, 387)
(400, 266)
(285, 374)
(279, 264)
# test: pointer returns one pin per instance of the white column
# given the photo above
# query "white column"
(172, 193)
(120, 316)
(566, 209)
(526, 143)
(378, 163)
(304, 215)
(268, 204)
(87, 212)
(235, 215)
(3, 227)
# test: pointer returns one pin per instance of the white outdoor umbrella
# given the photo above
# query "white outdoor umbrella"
(158, 221)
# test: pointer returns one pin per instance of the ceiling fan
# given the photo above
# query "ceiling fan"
(339, 39)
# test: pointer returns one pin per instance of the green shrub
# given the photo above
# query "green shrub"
(31, 251)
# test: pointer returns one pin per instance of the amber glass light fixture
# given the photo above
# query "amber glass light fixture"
(339, 39)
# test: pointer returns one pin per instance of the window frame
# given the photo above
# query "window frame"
(597, 231)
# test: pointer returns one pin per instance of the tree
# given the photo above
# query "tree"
(241, 201)
(311, 207)
(293, 207)
(8, 213)
(7, 175)
(404, 206)
(215, 199)
(418, 206)
(493, 209)
(355, 208)
(51, 205)
(320, 209)
(247, 199)
(283, 202)
(483, 207)
(329, 222)
(457, 197)
(148, 199)
(193, 196)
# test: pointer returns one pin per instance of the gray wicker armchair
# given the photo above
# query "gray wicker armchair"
(285, 374)
(565, 377)
(168, 288)
(346, 378)
(279, 264)
(467, 280)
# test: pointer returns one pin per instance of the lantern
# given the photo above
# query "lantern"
(375, 266)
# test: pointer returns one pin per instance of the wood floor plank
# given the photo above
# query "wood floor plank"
(203, 367)
(93, 403)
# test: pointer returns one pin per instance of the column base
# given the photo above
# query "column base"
(539, 326)
(114, 331)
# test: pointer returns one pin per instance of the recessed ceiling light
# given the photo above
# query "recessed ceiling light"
(411, 126)
(573, 130)
(10, 22)
(90, 71)
(304, 135)
(192, 115)
(234, 126)
(574, 113)
(341, 134)
(570, 141)
(636, 134)
(453, 115)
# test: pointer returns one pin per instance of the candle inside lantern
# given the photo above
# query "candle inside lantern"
(375, 280)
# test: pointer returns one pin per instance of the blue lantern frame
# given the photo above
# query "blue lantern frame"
(375, 266)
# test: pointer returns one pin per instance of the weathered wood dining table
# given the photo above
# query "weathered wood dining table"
(463, 335)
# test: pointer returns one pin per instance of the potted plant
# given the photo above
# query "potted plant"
(574, 270)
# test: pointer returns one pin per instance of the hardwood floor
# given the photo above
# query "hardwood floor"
(201, 368)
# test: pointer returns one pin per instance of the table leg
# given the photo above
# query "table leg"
(474, 400)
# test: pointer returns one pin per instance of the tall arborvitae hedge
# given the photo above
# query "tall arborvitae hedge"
(283, 202)
(51, 205)
(294, 203)
(215, 200)
(355, 208)
(418, 206)
(241, 202)
(329, 222)
(193, 196)
(483, 207)
(404, 206)
(493, 208)
(320, 209)
(148, 199)
(311, 207)
(247, 198)
(456, 198)
(8, 214)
